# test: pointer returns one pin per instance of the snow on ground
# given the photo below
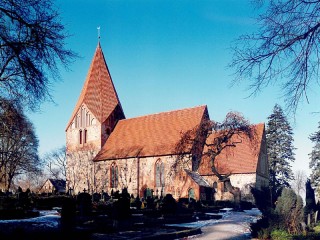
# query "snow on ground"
(232, 224)
(48, 220)
(235, 225)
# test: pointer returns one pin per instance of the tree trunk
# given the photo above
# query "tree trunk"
(235, 191)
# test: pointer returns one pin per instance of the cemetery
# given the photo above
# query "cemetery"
(119, 215)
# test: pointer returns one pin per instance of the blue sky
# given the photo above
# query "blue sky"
(162, 56)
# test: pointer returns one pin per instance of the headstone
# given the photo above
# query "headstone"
(68, 215)
(84, 203)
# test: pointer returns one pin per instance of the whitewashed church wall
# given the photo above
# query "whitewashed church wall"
(242, 181)
(129, 175)
(127, 169)
(147, 174)
(96, 176)
(84, 120)
(245, 182)
(80, 170)
(73, 140)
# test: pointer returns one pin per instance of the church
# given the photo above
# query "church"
(108, 152)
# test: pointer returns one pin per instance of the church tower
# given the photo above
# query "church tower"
(94, 117)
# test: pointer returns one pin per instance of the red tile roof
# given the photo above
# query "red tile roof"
(98, 92)
(151, 135)
(240, 159)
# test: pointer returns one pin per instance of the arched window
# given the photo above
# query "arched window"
(114, 175)
(159, 173)
(191, 193)
(108, 131)
(85, 136)
(225, 189)
(215, 185)
(78, 122)
(178, 192)
(87, 119)
(83, 117)
(80, 136)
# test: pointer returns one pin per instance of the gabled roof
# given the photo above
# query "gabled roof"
(151, 135)
(98, 92)
(59, 184)
(240, 159)
(197, 178)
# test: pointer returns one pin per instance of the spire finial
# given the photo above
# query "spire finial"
(98, 34)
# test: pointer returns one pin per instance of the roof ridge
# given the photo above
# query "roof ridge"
(165, 112)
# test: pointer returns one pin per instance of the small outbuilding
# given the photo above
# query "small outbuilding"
(56, 186)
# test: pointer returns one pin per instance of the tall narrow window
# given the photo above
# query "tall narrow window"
(80, 136)
(178, 192)
(191, 194)
(87, 119)
(114, 175)
(81, 118)
(85, 136)
(108, 131)
(77, 121)
(159, 173)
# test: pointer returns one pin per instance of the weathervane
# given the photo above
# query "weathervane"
(98, 33)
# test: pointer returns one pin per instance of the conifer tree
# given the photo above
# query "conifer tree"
(310, 199)
(280, 151)
(314, 163)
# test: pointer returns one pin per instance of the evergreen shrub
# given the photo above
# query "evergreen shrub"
(280, 235)
(289, 209)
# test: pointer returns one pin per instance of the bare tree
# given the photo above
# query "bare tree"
(18, 144)
(31, 49)
(299, 183)
(56, 163)
(81, 171)
(126, 174)
(208, 140)
(33, 181)
(283, 51)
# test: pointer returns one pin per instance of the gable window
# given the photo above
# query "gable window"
(114, 175)
(87, 119)
(159, 173)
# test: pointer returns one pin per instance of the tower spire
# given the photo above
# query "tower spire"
(98, 28)
(98, 92)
